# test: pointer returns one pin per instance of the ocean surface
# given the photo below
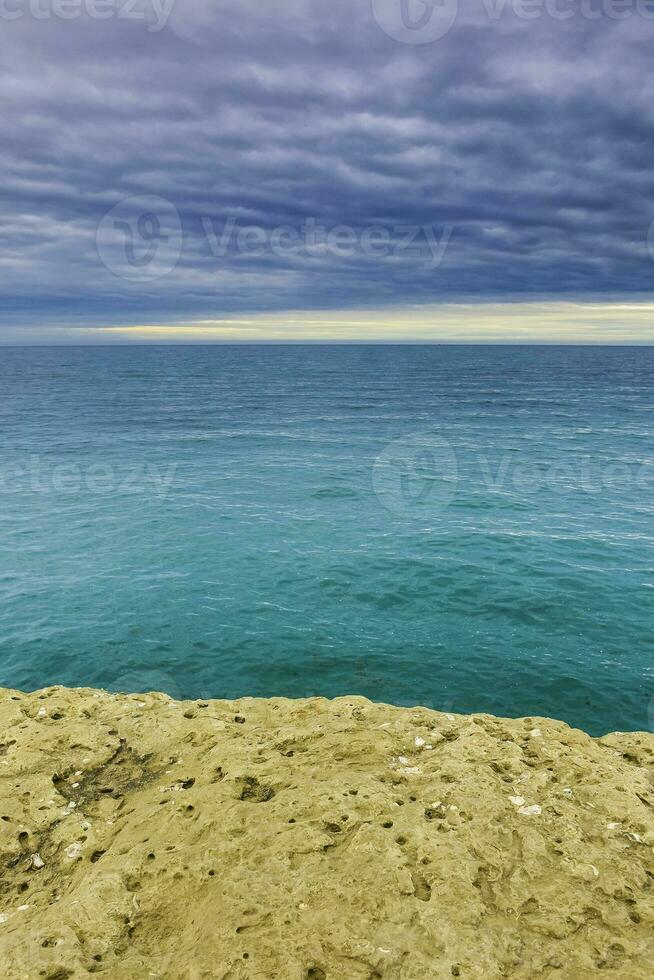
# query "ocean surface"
(468, 528)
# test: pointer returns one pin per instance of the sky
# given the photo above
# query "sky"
(207, 170)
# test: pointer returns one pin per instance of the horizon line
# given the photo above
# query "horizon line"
(504, 323)
(329, 343)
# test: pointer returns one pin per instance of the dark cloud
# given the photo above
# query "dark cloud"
(531, 139)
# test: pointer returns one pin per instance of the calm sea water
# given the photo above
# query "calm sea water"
(469, 528)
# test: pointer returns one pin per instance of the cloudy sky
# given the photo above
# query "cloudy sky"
(392, 169)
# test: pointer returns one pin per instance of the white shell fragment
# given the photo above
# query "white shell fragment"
(37, 861)
(531, 811)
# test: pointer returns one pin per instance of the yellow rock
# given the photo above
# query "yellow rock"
(284, 840)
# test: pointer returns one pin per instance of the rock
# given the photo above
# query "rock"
(185, 843)
(531, 811)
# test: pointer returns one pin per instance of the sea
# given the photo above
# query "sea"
(469, 528)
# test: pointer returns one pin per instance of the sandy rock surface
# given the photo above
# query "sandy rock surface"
(318, 840)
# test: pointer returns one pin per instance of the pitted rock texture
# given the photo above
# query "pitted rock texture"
(318, 840)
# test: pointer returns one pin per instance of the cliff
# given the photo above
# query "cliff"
(318, 840)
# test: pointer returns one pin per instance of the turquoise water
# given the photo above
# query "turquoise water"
(469, 528)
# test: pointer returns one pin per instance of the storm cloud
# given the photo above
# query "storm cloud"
(520, 140)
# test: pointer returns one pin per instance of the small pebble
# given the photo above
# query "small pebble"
(37, 861)
(531, 811)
